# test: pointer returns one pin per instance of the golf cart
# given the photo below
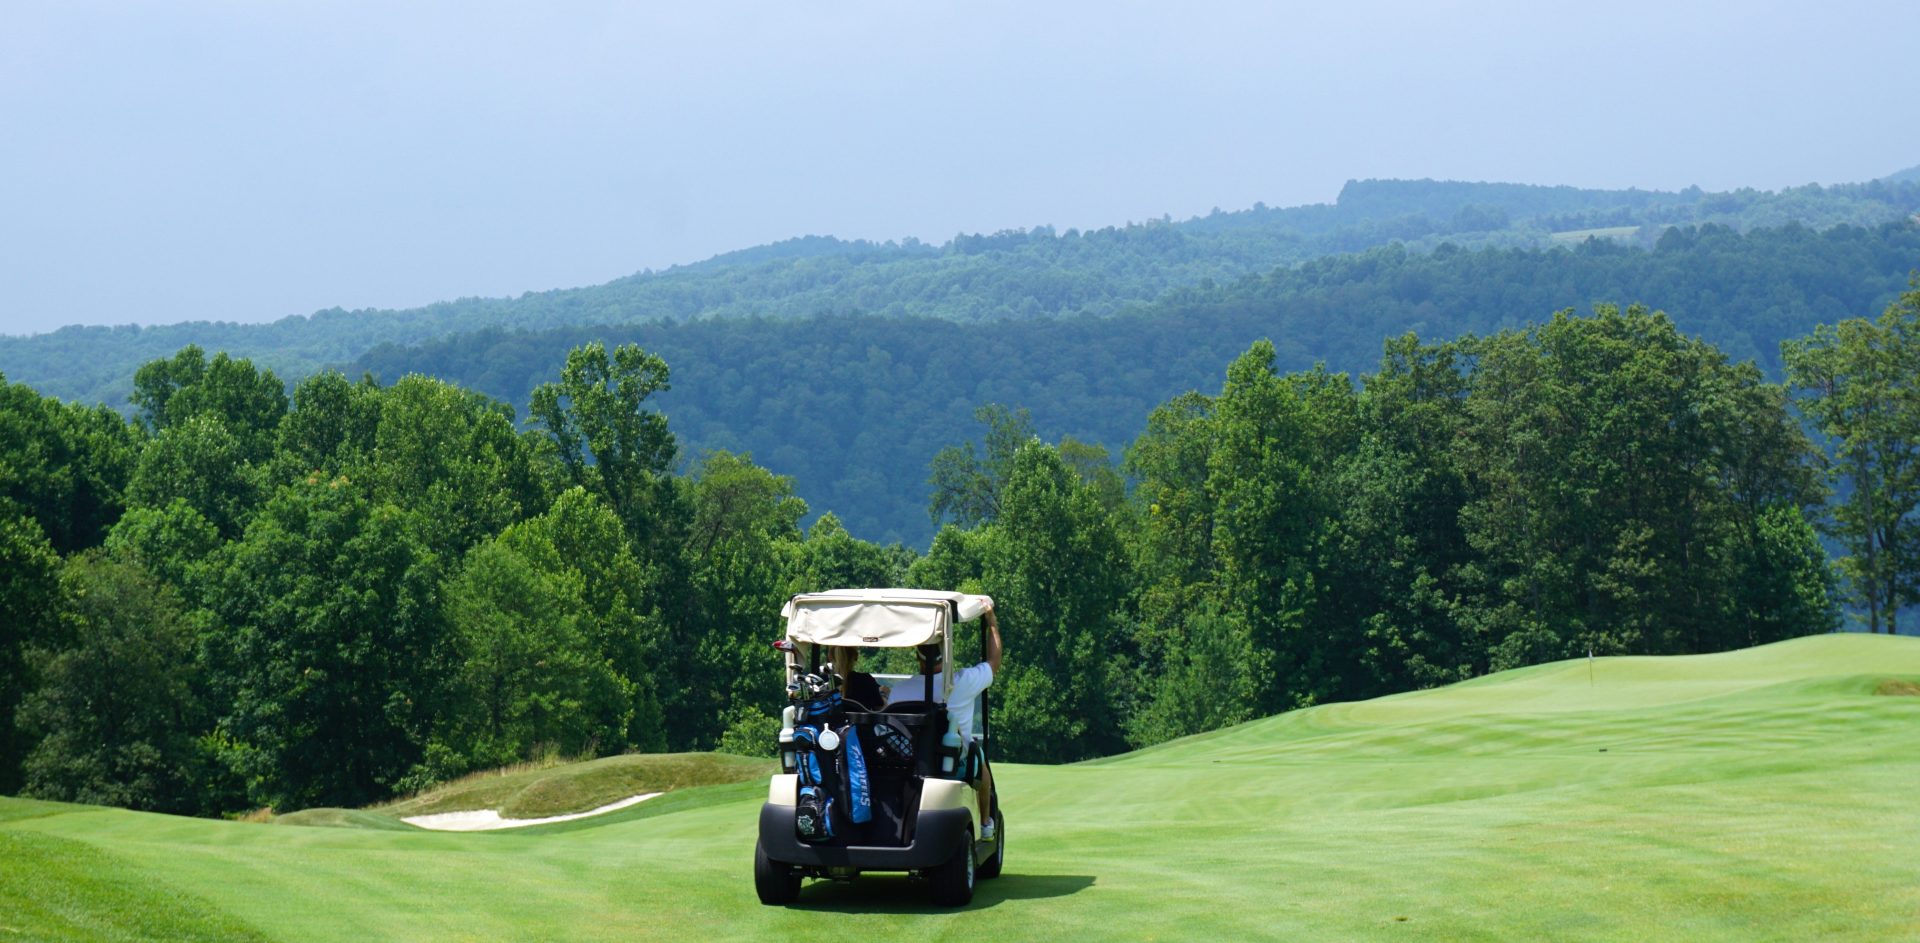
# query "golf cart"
(867, 787)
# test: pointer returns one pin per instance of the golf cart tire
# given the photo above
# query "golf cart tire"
(776, 882)
(990, 868)
(952, 882)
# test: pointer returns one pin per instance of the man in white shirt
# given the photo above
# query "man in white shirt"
(967, 685)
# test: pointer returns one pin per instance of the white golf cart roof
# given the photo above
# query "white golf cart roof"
(877, 618)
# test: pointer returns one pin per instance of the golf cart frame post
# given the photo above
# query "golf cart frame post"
(922, 798)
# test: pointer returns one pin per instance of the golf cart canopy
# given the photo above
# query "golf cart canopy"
(878, 618)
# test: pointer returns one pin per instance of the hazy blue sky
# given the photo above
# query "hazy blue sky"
(248, 160)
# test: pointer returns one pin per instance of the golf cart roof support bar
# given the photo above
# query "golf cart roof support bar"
(986, 706)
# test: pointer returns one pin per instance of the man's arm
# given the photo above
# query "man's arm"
(993, 639)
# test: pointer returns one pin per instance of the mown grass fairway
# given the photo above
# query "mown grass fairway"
(1761, 794)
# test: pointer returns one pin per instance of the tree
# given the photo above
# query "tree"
(1399, 547)
(171, 542)
(200, 461)
(156, 382)
(831, 558)
(452, 457)
(335, 655)
(116, 715)
(743, 537)
(1863, 384)
(606, 438)
(330, 427)
(529, 676)
(580, 541)
(1058, 574)
(966, 480)
(248, 400)
(66, 465)
(32, 616)
(1204, 681)
(1272, 515)
(1613, 465)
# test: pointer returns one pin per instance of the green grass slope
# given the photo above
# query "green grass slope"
(547, 789)
(577, 787)
(1764, 794)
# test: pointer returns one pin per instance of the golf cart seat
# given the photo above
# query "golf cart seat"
(901, 750)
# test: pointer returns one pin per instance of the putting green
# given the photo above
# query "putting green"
(1753, 795)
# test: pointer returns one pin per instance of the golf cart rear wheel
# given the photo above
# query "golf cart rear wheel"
(953, 882)
(990, 868)
(776, 882)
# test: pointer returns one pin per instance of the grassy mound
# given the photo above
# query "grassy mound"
(1764, 794)
(341, 818)
(528, 793)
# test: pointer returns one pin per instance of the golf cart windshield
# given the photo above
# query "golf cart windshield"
(878, 618)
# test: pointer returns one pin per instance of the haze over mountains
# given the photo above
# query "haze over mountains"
(848, 363)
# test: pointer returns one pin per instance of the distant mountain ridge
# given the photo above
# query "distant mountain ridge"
(854, 407)
(1012, 275)
(1909, 175)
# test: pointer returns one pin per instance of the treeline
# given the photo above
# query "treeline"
(1013, 275)
(850, 407)
(242, 599)
(1598, 484)
(245, 599)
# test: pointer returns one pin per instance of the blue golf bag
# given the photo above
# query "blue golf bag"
(833, 787)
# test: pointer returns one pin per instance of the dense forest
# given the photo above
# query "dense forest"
(1014, 275)
(851, 407)
(240, 598)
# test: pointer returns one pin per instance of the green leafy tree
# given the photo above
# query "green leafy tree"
(171, 542)
(32, 616)
(580, 541)
(1058, 574)
(1786, 586)
(1613, 463)
(248, 401)
(831, 558)
(530, 678)
(967, 481)
(335, 652)
(607, 439)
(1272, 515)
(66, 465)
(330, 428)
(452, 457)
(156, 382)
(1863, 383)
(1203, 680)
(1399, 548)
(744, 533)
(116, 716)
(200, 461)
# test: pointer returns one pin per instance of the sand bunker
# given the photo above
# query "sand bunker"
(482, 820)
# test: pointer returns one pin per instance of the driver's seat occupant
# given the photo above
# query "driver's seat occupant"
(967, 685)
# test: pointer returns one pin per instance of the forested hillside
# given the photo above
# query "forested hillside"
(242, 598)
(243, 588)
(1009, 275)
(853, 407)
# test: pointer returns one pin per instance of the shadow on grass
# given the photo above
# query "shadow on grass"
(899, 894)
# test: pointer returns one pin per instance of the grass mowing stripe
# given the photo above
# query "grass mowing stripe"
(60, 889)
